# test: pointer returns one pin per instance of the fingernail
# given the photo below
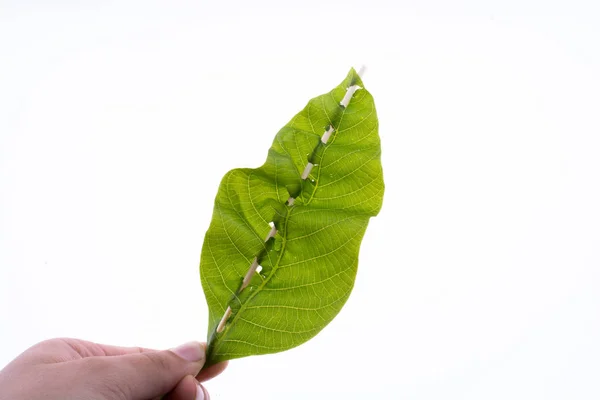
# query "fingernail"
(201, 393)
(191, 351)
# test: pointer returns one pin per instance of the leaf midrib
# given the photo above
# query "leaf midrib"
(327, 147)
(275, 268)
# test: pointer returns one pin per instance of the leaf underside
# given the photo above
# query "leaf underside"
(309, 266)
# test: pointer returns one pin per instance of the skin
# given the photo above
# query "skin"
(72, 369)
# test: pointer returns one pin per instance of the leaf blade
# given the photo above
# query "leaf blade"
(310, 265)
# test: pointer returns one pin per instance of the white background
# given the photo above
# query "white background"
(478, 280)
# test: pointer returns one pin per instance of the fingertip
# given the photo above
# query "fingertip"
(191, 351)
(201, 392)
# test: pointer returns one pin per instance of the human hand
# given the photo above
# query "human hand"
(72, 369)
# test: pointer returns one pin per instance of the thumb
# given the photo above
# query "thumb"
(149, 374)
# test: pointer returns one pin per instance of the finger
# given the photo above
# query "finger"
(66, 349)
(146, 375)
(212, 371)
(90, 349)
(188, 389)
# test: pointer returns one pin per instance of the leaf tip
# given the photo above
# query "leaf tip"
(355, 77)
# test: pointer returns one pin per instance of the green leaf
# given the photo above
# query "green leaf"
(309, 266)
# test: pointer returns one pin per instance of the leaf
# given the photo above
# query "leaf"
(309, 266)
